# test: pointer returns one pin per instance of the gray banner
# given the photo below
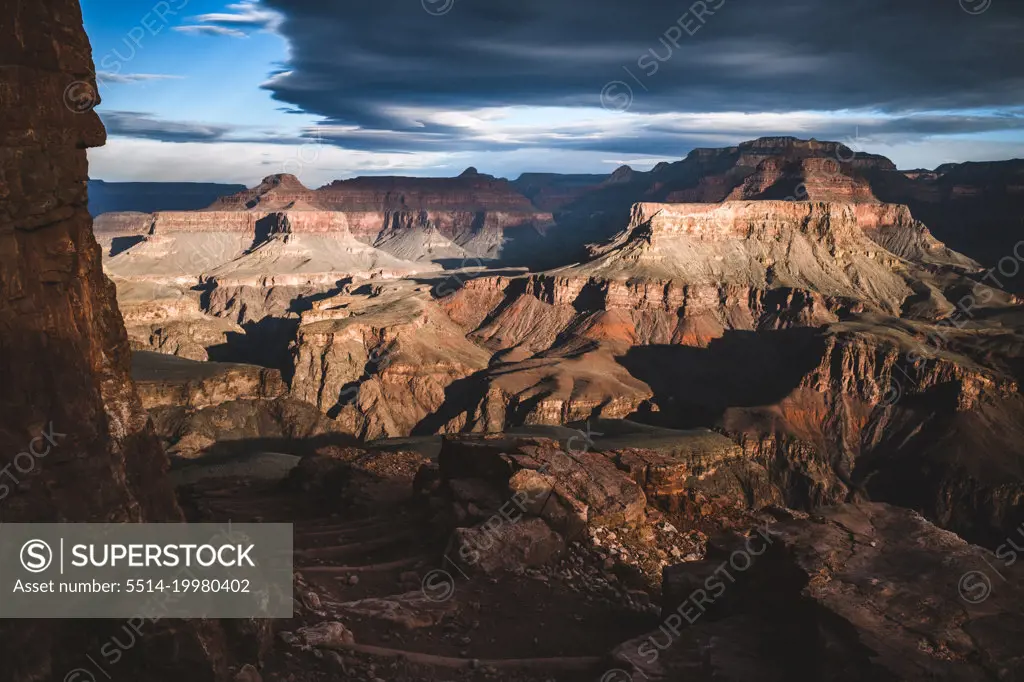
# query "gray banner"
(155, 570)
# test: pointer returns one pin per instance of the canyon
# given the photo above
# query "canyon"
(763, 291)
(520, 429)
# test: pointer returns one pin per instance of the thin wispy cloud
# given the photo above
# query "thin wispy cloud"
(146, 126)
(212, 31)
(129, 78)
(238, 18)
(250, 14)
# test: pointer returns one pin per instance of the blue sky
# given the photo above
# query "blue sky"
(207, 90)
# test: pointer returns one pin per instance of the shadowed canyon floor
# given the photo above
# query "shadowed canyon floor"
(519, 558)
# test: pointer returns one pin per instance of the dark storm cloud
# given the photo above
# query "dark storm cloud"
(139, 125)
(355, 62)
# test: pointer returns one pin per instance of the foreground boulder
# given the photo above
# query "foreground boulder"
(858, 592)
(516, 501)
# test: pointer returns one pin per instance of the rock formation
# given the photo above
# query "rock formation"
(64, 362)
(467, 215)
(976, 208)
(380, 357)
(857, 592)
(786, 325)
(782, 251)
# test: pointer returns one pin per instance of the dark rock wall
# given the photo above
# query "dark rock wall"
(75, 443)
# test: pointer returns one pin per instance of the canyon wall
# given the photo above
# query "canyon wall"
(64, 360)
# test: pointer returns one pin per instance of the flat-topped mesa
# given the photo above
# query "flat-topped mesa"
(116, 232)
(821, 247)
(753, 152)
(834, 223)
(122, 224)
(830, 222)
(469, 192)
(769, 168)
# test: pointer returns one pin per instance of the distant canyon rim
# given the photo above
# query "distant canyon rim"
(842, 325)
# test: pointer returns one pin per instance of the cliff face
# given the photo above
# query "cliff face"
(381, 362)
(886, 413)
(976, 208)
(165, 381)
(259, 255)
(64, 360)
(813, 246)
(684, 275)
(472, 210)
(765, 168)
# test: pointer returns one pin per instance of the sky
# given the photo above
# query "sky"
(215, 91)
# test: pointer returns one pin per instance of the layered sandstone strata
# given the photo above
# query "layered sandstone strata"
(471, 211)
(380, 358)
(116, 232)
(165, 381)
(679, 275)
(976, 208)
(65, 363)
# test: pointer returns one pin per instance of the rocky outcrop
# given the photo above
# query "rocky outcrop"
(244, 427)
(976, 208)
(273, 193)
(169, 319)
(517, 501)
(165, 381)
(811, 246)
(64, 362)
(380, 361)
(883, 594)
(471, 212)
(885, 405)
